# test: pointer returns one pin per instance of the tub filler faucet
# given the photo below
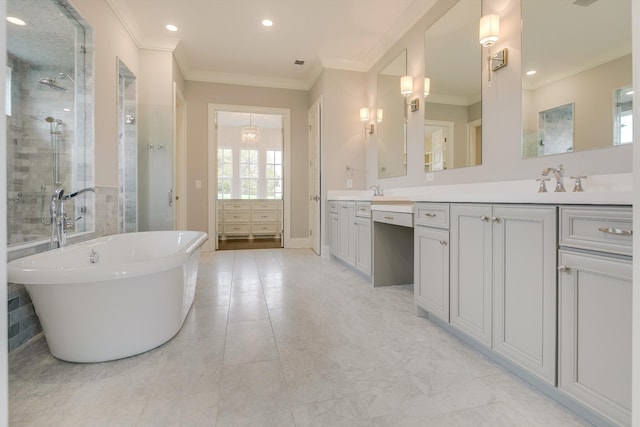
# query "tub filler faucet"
(59, 218)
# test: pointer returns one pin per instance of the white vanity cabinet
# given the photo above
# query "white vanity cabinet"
(524, 286)
(471, 264)
(333, 228)
(431, 252)
(349, 233)
(503, 281)
(363, 237)
(595, 290)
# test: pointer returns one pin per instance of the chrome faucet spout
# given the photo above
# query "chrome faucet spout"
(377, 190)
(77, 193)
(558, 175)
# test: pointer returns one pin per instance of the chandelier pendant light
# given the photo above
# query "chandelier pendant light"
(250, 132)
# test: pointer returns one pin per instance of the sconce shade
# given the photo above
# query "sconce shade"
(489, 30)
(364, 114)
(379, 113)
(406, 85)
(427, 86)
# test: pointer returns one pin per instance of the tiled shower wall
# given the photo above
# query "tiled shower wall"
(30, 148)
(23, 322)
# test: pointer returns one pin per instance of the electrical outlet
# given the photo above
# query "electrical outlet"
(198, 184)
(430, 177)
(349, 183)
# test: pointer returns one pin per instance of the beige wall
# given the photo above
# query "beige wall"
(111, 41)
(343, 136)
(501, 157)
(198, 96)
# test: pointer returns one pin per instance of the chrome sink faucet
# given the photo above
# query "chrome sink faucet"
(377, 190)
(558, 174)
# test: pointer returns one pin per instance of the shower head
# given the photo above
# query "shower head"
(53, 82)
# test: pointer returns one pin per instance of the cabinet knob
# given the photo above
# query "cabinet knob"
(430, 215)
(563, 268)
(443, 242)
(495, 219)
(484, 218)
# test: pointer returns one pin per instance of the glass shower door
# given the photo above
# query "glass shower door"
(156, 207)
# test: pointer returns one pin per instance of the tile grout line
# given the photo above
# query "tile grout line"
(275, 341)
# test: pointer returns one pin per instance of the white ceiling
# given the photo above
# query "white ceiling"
(223, 41)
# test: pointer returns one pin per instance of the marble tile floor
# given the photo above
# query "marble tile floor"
(282, 337)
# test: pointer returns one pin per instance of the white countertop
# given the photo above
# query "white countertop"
(612, 189)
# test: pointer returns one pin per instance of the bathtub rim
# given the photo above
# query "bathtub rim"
(20, 271)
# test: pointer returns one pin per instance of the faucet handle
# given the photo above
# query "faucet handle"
(577, 187)
(543, 186)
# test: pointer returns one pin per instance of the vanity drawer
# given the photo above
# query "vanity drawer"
(363, 209)
(432, 214)
(236, 229)
(236, 216)
(264, 206)
(396, 218)
(265, 216)
(604, 229)
(268, 228)
(236, 205)
(333, 206)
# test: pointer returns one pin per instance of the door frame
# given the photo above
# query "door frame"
(179, 159)
(315, 126)
(212, 167)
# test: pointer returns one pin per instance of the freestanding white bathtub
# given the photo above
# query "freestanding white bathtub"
(115, 296)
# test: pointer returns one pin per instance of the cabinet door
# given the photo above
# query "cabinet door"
(333, 233)
(363, 245)
(471, 264)
(431, 271)
(346, 241)
(524, 287)
(595, 332)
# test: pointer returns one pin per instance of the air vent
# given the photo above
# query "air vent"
(584, 3)
(299, 62)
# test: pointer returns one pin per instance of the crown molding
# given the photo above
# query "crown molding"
(245, 80)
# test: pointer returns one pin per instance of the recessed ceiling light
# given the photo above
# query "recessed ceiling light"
(16, 21)
(531, 72)
(171, 27)
(67, 109)
(629, 93)
(267, 22)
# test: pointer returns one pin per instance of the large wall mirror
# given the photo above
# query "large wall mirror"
(49, 118)
(453, 106)
(392, 120)
(576, 83)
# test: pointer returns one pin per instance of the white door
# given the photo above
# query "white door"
(437, 139)
(314, 177)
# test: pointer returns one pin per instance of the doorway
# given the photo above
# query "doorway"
(247, 177)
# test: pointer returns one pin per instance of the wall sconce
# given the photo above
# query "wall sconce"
(427, 86)
(364, 117)
(488, 35)
(406, 86)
